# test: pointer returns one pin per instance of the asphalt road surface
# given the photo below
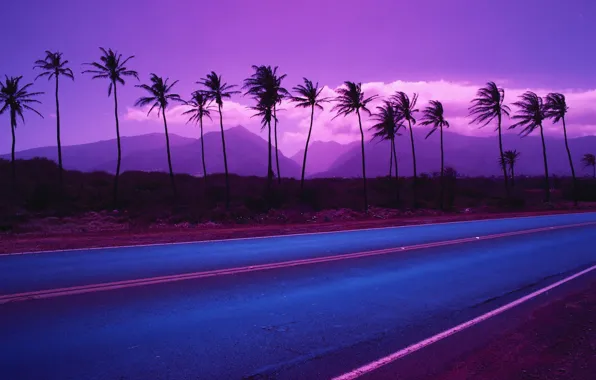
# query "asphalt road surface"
(295, 307)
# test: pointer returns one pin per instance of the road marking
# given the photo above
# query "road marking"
(286, 235)
(370, 367)
(82, 289)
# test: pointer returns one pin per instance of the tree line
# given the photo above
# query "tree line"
(265, 87)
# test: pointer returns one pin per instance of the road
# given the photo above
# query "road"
(270, 307)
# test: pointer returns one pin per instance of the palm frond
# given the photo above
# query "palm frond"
(530, 113)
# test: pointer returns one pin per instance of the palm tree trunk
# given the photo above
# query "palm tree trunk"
(276, 149)
(570, 163)
(415, 178)
(223, 144)
(546, 181)
(512, 171)
(442, 172)
(363, 163)
(390, 159)
(13, 123)
(203, 153)
(165, 125)
(396, 172)
(312, 113)
(60, 170)
(269, 160)
(503, 157)
(118, 143)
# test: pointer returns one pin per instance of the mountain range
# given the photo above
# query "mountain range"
(247, 155)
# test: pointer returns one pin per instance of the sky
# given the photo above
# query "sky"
(441, 49)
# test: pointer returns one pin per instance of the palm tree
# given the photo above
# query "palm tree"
(387, 126)
(53, 66)
(351, 99)
(488, 105)
(510, 158)
(406, 108)
(308, 96)
(113, 68)
(200, 107)
(556, 109)
(160, 96)
(279, 94)
(15, 100)
(434, 115)
(217, 91)
(590, 160)
(531, 114)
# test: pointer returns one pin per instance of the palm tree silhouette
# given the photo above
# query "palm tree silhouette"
(217, 91)
(351, 99)
(387, 128)
(590, 160)
(488, 105)
(434, 115)
(160, 96)
(531, 114)
(308, 96)
(16, 99)
(53, 66)
(509, 159)
(406, 108)
(113, 68)
(200, 107)
(279, 93)
(556, 109)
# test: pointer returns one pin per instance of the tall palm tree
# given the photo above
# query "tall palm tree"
(351, 99)
(217, 90)
(487, 106)
(530, 115)
(434, 115)
(308, 96)
(113, 68)
(590, 160)
(406, 108)
(16, 99)
(556, 109)
(510, 158)
(53, 66)
(160, 97)
(386, 127)
(199, 107)
(279, 93)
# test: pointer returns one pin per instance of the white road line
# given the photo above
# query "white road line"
(82, 289)
(287, 235)
(370, 367)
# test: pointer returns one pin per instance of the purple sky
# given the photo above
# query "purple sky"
(442, 49)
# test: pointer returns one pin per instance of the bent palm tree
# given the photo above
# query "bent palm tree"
(488, 105)
(556, 109)
(200, 107)
(351, 99)
(510, 158)
(15, 100)
(113, 68)
(308, 96)
(406, 108)
(386, 128)
(590, 160)
(433, 116)
(217, 90)
(160, 96)
(53, 66)
(530, 116)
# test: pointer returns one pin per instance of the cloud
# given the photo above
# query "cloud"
(295, 122)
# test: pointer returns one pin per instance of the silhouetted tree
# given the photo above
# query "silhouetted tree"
(308, 96)
(386, 127)
(590, 160)
(406, 108)
(217, 91)
(433, 116)
(508, 161)
(113, 68)
(53, 66)
(530, 115)
(351, 99)
(200, 107)
(556, 109)
(488, 105)
(160, 96)
(16, 99)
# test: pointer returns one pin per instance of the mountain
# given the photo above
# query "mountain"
(469, 155)
(321, 155)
